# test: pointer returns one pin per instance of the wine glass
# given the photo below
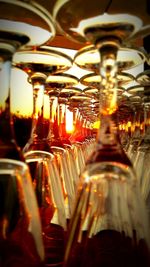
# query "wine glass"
(48, 188)
(64, 105)
(54, 85)
(75, 151)
(93, 80)
(108, 183)
(79, 17)
(21, 241)
(60, 87)
(143, 78)
(78, 138)
(88, 58)
(39, 63)
(141, 155)
(21, 236)
(16, 32)
(135, 97)
(89, 110)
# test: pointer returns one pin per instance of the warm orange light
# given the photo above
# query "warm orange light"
(54, 109)
(129, 124)
(69, 121)
(96, 124)
(109, 103)
(121, 127)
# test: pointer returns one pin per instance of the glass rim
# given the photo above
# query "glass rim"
(24, 27)
(82, 55)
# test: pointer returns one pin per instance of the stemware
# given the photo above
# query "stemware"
(16, 32)
(135, 98)
(78, 138)
(21, 237)
(125, 115)
(38, 64)
(47, 184)
(93, 80)
(54, 85)
(98, 227)
(88, 58)
(64, 101)
(141, 156)
(143, 78)
(21, 241)
(105, 15)
(64, 107)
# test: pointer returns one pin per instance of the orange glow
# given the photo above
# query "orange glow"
(96, 124)
(54, 109)
(109, 103)
(142, 126)
(129, 124)
(69, 121)
(121, 127)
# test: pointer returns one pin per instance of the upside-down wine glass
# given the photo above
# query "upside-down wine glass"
(64, 100)
(64, 107)
(110, 217)
(142, 153)
(87, 58)
(54, 85)
(87, 110)
(48, 188)
(21, 241)
(93, 80)
(78, 138)
(142, 157)
(20, 232)
(39, 63)
(136, 124)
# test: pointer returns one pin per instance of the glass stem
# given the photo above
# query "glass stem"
(8, 145)
(53, 135)
(40, 119)
(108, 143)
(5, 103)
(146, 130)
(38, 110)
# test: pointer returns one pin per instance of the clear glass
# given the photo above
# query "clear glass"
(21, 242)
(51, 202)
(143, 78)
(135, 127)
(54, 85)
(88, 58)
(110, 216)
(47, 171)
(39, 63)
(142, 155)
(129, 22)
(64, 105)
(136, 94)
(94, 80)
